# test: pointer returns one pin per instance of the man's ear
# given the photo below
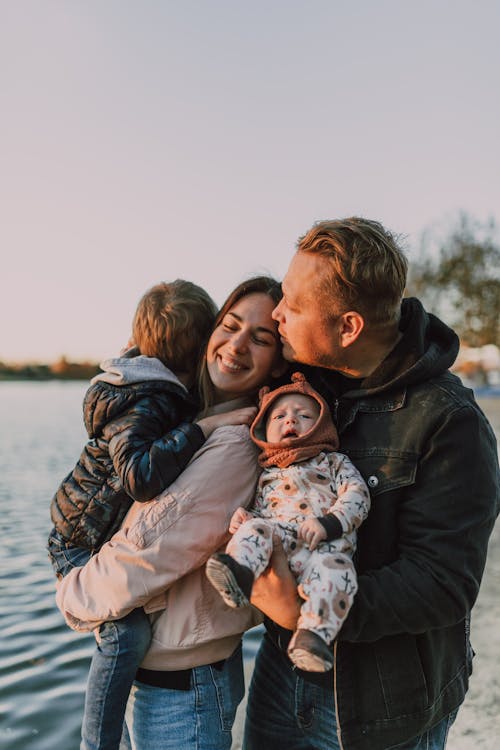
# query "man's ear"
(351, 325)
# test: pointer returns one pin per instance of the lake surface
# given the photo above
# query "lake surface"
(43, 664)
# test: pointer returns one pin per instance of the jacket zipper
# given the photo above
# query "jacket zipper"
(339, 735)
(335, 410)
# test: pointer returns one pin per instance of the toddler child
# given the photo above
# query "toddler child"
(315, 499)
(138, 414)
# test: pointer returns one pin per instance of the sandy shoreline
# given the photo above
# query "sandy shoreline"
(478, 723)
(477, 726)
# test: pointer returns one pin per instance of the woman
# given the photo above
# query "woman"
(191, 680)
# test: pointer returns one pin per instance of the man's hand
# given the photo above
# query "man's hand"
(274, 592)
(239, 516)
(312, 532)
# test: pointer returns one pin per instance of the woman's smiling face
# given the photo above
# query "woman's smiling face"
(244, 349)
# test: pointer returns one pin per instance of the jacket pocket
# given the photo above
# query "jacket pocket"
(401, 676)
(388, 474)
(385, 469)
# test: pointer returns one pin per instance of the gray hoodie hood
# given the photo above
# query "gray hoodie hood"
(131, 368)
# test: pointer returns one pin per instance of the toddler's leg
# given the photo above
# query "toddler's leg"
(328, 586)
(121, 646)
(247, 555)
(63, 556)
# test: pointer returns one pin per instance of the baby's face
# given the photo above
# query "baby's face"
(291, 415)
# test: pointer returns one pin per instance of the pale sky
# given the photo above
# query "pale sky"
(150, 140)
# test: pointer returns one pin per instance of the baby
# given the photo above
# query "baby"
(315, 499)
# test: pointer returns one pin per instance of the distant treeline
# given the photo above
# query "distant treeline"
(458, 278)
(60, 370)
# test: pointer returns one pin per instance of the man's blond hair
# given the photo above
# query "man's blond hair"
(366, 267)
(173, 322)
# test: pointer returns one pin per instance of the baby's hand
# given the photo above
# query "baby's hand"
(312, 532)
(245, 415)
(239, 516)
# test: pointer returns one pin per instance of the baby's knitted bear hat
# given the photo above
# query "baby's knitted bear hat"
(321, 437)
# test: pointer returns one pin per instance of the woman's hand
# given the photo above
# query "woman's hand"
(245, 415)
(274, 592)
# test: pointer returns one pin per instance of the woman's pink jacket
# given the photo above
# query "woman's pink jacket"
(157, 560)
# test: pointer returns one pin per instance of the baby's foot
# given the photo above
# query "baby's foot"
(232, 580)
(309, 652)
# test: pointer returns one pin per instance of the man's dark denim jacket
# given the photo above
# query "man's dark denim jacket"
(403, 657)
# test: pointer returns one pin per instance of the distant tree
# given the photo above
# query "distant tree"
(458, 278)
(65, 370)
(61, 366)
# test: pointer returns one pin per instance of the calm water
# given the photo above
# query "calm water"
(43, 664)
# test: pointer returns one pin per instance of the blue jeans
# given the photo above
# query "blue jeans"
(64, 556)
(121, 647)
(200, 718)
(283, 710)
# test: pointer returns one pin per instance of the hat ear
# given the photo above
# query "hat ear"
(298, 377)
(263, 392)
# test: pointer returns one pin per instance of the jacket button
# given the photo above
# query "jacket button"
(372, 481)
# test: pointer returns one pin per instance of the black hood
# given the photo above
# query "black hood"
(428, 348)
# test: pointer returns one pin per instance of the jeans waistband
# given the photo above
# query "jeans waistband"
(173, 680)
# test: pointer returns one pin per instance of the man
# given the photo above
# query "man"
(402, 659)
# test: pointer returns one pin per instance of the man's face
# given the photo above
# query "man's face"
(308, 327)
